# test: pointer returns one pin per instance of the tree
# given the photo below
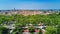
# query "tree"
(51, 30)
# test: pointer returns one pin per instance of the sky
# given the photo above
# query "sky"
(29, 4)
